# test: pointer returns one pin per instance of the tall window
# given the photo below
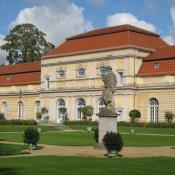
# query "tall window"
(119, 78)
(61, 114)
(4, 108)
(101, 105)
(120, 116)
(154, 110)
(37, 106)
(20, 110)
(47, 83)
(80, 103)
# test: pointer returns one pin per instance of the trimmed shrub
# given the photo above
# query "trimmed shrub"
(113, 142)
(18, 122)
(169, 116)
(31, 136)
(81, 122)
(39, 115)
(87, 112)
(96, 134)
(2, 116)
(134, 114)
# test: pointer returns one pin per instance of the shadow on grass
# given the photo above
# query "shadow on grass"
(8, 171)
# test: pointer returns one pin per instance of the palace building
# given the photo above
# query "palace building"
(70, 76)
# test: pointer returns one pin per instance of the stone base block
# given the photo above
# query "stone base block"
(106, 124)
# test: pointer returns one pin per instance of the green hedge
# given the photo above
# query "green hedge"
(81, 122)
(148, 124)
(129, 124)
(18, 122)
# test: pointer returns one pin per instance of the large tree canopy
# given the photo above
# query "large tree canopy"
(25, 43)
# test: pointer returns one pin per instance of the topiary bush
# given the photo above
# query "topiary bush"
(134, 114)
(2, 116)
(113, 142)
(31, 136)
(169, 116)
(18, 122)
(96, 134)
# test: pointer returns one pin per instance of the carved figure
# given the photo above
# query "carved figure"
(110, 81)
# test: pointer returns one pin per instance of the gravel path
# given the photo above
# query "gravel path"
(87, 151)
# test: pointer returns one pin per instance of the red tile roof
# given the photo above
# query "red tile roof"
(162, 53)
(20, 74)
(166, 67)
(112, 37)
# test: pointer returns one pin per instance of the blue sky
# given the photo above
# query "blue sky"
(62, 18)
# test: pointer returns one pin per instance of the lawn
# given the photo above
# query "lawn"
(21, 128)
(11, 149)
(126, 129)
(86, 139)
(82, 165)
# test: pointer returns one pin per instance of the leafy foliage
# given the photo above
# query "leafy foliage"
(134, 114)
(113, 141)
(31, 136)
(18, 122)
(96, 135)
(169, 116)
(87, 111)
(2, 116)
(44, 110)
(25, 43)
(39, 115)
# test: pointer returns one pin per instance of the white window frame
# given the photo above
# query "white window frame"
(47, 83)
(4, 108)
(60, 104)
(120, 114)
(79, 106)
(78, 73)
(37, 106)
(20, 110)
(119, 77)
(58, 74)
(153, 110)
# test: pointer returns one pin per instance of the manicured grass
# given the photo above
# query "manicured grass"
(11, 149)
(21, 128)
(86, 139)
(86, 166)
(126, 129)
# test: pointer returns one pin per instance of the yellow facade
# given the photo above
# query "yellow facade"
(133, 92)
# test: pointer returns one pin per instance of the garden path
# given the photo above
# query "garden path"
(91, 151)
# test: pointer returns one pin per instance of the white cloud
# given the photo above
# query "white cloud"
(58, 22)
(128, 18)
(3, 54)
(171, 37)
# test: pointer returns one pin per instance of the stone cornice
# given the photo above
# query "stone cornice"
(98, 50)
(109, 57)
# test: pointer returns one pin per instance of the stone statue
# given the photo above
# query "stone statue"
(110, 81)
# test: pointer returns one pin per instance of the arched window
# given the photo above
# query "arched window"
(153, 110)
(61, 110)
(101, 105)
(20, 110)
(37, 106)
(80, 103)
(4, 108)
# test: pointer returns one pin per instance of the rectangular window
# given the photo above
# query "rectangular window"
(47, 83)
(119, 78)
(119, 112)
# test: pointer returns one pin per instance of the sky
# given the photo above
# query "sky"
(60, 19)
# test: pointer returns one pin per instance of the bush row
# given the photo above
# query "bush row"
(81, 122)
(129, 124)
(18, 122)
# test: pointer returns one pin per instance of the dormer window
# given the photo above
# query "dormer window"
(81, 72)
(156, 65)
(61, 73)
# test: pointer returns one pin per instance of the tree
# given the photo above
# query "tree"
(169, 116)
(134, 114)
(87, 111)
(25, 43)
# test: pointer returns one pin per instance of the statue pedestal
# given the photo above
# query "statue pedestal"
(107, 123)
